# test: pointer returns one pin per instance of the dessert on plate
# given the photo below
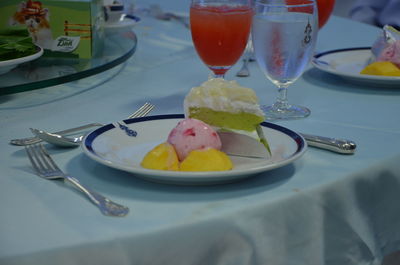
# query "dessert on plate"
(192, 134)
(227, 106)
(161, 157)
(385, 59)
(391, 53)
(191, 146)
(384, 68)
(215, 110)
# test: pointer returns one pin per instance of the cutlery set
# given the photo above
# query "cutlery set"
(45, 166)
(141, 112)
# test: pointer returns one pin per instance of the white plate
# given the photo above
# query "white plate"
(8, 65)
(125, 22)
(348, 63)
(123, 145)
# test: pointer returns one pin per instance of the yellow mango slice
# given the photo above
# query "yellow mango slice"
(206, 160)
(161, 157)
(381, 68)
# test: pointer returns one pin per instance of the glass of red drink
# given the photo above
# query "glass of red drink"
(220, 30)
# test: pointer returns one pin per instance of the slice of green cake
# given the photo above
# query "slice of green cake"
(227, 106)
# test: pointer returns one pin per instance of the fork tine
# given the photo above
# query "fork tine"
(40, 159)
(138, 111)
(142, 111)
(42, 164)
(146, 111)
(47, 158)
(145, 105)
(31, 155)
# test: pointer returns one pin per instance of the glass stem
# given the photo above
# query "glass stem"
(212, 75)
(282, 101)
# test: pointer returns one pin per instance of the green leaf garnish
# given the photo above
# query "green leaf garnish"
(15, 43)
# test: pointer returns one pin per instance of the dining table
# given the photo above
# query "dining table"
(323, 208)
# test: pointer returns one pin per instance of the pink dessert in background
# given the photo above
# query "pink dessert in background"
(192, 134)
(391, 53)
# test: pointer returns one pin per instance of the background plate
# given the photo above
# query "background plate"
(348, 63)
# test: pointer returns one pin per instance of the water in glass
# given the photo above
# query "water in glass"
(284, 37)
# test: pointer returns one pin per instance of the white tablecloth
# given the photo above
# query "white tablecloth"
(325, 208)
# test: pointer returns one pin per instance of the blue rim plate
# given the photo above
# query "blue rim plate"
(348, 63)
(122, 145)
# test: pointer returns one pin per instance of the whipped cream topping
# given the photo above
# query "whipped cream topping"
(222, 95)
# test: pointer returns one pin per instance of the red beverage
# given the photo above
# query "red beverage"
(220, 34)
(325, 8)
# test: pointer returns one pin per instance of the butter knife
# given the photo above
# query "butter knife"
(342, 146)
(250, 147)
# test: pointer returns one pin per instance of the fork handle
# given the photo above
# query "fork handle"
(106, 206)
(34, 140)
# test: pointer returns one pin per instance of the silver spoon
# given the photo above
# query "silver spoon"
(341, 146)
(57, 139)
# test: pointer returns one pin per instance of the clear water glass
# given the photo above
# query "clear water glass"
(284, 35)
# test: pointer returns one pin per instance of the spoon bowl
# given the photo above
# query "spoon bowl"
(57, 139)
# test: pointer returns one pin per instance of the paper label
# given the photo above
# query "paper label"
(65, 44)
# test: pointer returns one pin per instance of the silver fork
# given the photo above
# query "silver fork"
(244, 71)
(46, 168)
(142, 111)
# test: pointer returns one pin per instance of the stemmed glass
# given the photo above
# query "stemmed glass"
(220, 30)
(284, 34)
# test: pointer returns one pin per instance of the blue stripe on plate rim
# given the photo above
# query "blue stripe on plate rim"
(91, 136)
(340, 50)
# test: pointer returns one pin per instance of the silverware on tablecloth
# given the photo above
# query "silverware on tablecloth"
(342, 146)
(57, 139)
(156, 12)
(248, 146)
(247, 55)
(65, 141)
(142, 111)
(244, 71)
(46, 168)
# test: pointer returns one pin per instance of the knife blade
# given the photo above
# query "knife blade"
(242, 145)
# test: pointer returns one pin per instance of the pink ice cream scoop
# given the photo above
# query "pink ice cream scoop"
(391, 53)
(192, 134)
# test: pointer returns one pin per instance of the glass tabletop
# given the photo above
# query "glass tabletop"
(119, 45)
